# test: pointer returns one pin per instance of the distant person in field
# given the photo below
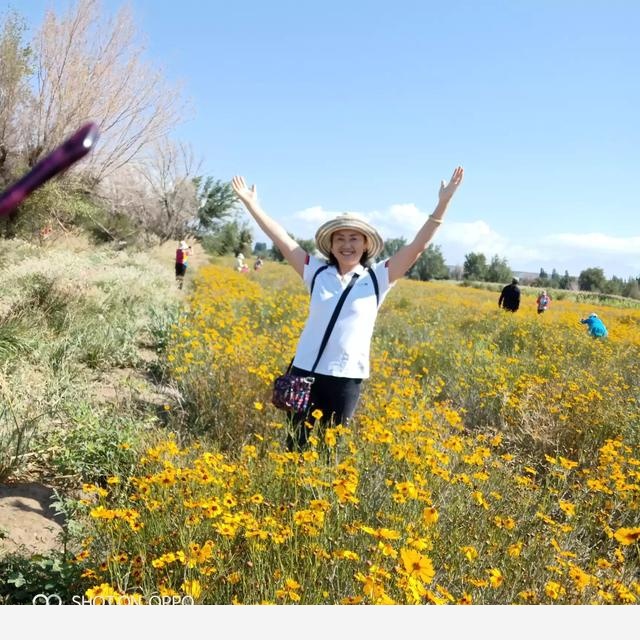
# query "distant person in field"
(595, 326)
(350, 245)
(510, 296)
(257, 265)
(543, 301)
(182, 253)
(240, 263)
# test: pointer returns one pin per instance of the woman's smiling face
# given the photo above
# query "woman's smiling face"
(348, 246)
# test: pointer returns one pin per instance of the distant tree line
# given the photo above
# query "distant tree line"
(431, 266)
(592, 279)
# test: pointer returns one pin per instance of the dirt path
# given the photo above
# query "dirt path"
(28, 524)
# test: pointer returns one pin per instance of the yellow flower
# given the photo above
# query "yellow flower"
(191, 588)
(430, 515)
(568, 507)
(627, 535)
(258, 406)
(495, 578)
(471, 553)
(417, 565)
(567, 464)
(317, 414)
(101, 594)
(527, 596)
(330, 437)
(554, 590)
(479, 498)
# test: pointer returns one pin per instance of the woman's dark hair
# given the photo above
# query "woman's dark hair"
(364, 260)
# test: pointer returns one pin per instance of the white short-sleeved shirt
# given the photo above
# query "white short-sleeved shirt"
(347, 352)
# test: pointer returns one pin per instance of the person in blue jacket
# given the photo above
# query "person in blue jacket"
(595, 326)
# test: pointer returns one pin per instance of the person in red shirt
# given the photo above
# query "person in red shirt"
(543, 301)
(182, 253)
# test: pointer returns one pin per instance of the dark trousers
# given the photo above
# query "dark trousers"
(337, 398)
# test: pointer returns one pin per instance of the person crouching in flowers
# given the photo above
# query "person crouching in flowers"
(350, 245)
(595, 326)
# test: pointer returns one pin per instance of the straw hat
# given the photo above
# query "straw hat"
(375, 243)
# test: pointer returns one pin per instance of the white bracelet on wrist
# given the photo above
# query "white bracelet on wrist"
(435, 220)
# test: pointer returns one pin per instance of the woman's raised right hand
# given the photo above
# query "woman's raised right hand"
(242, 190)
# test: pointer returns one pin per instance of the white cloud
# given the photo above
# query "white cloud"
(597, 242)
(314, 216)
(562, 251)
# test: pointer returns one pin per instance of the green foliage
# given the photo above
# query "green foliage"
(392, 246)
(308, 245)
(592, 279)
(116, 226)
(16, 434)
(430, 265)
(14, 337)
(22, 578)
(217, 201)
(93, 446)
(565, 281)
(230, 238)
(275, 254)
(499, 270)
(475, 266)
(160, 323)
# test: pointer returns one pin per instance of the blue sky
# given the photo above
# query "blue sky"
(365, 106)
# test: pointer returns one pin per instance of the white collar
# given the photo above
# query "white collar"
(359, 269)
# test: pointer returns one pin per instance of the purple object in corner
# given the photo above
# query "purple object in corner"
(61, 158)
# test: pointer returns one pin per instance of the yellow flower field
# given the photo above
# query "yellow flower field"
(494, 460)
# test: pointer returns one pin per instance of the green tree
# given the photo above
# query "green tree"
(592, 279)
(260, 249)
(499, 270)
(615, 286)
(430, 265)
(308, 245)
(632, 288)
(555, 279)
(543, 279)
(565, 281)
(231, 237)
(391, 246)
(475, 266)
(216, 202)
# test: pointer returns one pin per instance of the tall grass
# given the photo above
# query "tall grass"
(70, 314)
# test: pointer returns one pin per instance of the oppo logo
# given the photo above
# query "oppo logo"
(43, 598)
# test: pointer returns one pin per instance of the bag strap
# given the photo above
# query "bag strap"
(332, 322)
(315, 275)
(374, 279)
